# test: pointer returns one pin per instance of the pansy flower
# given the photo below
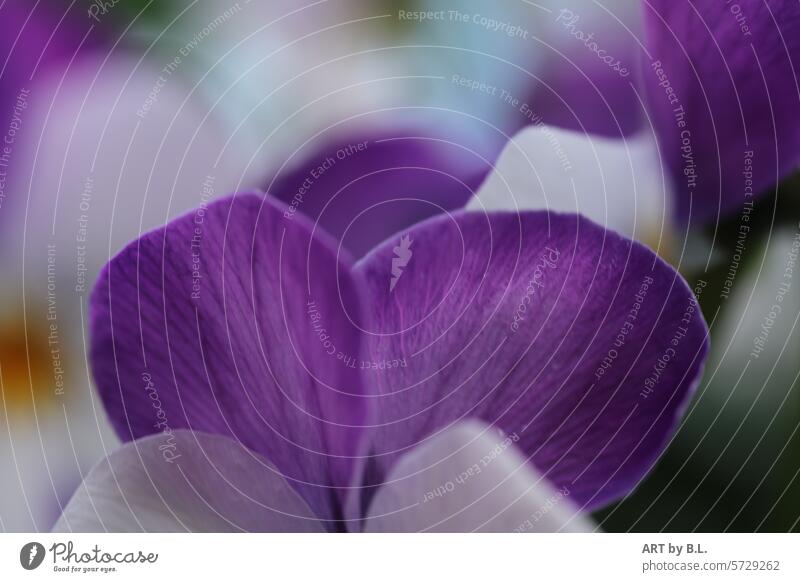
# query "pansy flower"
(480, 371)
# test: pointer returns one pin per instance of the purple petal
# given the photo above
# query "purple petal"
(185, 481)
(545, 325)
(471, 478)
(588, 79)
(724, 96)
(368, 187)
(224, 322)
(33, 38)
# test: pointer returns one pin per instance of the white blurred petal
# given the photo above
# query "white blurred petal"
(112, 152)
(617, 183)
(187, 482)
(280, 71)
(471, 478)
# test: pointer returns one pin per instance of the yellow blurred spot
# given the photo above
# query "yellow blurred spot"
(660, 238)
(26, 372)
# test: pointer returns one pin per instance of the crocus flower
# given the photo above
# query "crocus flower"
(491, 371)
(704, 86)
(711, 80)
(551, 128)
(721, 96)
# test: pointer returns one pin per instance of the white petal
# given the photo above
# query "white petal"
(617, 183)
(185, 482)
(471, 478)
(111, 151)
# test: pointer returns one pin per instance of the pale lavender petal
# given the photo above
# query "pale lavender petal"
(185, 481)
(471, 478)
(543, 324)
(228, 321)
(100, 162)
(724, 95)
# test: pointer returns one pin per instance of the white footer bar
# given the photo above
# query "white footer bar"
(388, 557)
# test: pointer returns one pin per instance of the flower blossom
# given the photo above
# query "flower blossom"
(525, 368)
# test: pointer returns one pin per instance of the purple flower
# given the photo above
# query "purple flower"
(715, 81)
(724, 98)
(702, 96)
(522, 369)
(38, 42)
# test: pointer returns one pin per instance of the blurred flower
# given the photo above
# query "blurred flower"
(108, 144)
(708, 83)
(274, 73)
(40, 389)
(119, 144)
(708, 80)
(506, 69)
(345, 394)
(219, 485)
(113, 149)
(719, 78)
(35, 40)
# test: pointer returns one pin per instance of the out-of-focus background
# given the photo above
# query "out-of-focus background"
(118, 115)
